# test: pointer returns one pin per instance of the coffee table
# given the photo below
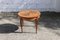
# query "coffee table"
(29, 15)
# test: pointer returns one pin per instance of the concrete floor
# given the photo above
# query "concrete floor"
(48, 28)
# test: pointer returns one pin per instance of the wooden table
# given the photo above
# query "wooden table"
(29, 15)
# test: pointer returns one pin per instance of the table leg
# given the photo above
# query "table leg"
(21, 24)
(36, 24)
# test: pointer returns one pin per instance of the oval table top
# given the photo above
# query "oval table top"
(29, 13)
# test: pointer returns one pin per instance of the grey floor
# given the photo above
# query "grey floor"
(48, 28)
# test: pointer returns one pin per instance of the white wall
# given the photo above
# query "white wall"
(16, 5)
(57, 5)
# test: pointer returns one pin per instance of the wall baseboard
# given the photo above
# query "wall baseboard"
(14, 14)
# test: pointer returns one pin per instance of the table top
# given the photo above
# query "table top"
(29, 13)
